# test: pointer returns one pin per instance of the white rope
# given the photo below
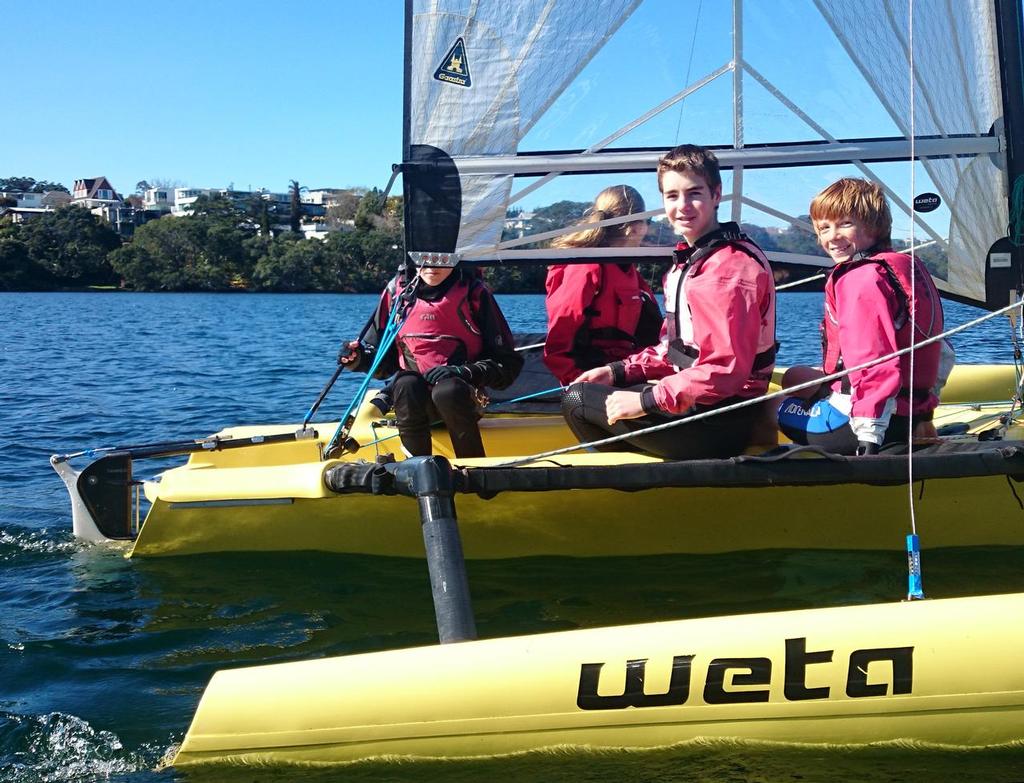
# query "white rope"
(913, 287)
(795, 283)
(755, 400)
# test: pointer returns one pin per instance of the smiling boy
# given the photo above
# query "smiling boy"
(868, 316)
(718, 340)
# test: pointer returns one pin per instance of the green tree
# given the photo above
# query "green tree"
(29, 185)
(72, 244)
(291, 263)
(361, 261)
(18, 272)
(295, 207)
(370, 212)
(207, 251)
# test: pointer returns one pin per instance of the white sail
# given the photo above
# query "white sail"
(535, 94)
(957, 91)
(519, 56)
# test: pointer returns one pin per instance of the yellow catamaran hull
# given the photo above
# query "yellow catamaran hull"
(273, 498)
(943, 671)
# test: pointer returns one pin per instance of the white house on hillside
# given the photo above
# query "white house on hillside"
(158, 199)
(93, 193)
(99, 197)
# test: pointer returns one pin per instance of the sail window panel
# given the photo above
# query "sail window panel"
(645, 62)
(956, 75)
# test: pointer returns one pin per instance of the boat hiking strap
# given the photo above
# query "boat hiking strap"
(792, 468)
(768, 396)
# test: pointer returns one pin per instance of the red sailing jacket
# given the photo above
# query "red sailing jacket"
(443, 331)
(601, 303)
(867, 315)
(722, 311)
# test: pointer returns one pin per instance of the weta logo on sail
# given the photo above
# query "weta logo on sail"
(749, 680)
(927, 202)
(454, 68)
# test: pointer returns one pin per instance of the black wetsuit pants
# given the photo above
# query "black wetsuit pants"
(725, 435)
(418, 405)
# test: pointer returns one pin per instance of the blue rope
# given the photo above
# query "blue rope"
(530, 396)
(394, 323)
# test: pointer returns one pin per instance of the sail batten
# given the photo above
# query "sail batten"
(810, 153)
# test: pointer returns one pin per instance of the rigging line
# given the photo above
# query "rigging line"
(763, 397)
(394, 323)
(914, 590)
(795, 283)
(689, 66)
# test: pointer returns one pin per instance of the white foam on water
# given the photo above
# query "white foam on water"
(57, 747)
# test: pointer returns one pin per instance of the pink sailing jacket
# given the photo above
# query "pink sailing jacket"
(718, 341)
(867, 315)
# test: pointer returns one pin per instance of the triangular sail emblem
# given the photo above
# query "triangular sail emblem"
(454, 68)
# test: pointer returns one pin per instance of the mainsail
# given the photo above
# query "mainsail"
(925, 80)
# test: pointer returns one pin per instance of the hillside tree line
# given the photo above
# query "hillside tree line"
(225, 245)
(220, 247)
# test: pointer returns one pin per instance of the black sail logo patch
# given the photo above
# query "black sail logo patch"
(927, 202)
(454, 68)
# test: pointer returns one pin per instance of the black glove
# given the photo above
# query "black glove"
(866, 448)
(435, 375)
(351, 355)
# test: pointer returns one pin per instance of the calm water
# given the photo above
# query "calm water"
(103, 660)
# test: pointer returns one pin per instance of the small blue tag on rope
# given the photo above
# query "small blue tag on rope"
(915, 588)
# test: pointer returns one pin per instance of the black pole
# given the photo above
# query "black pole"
(1009, 23)
(429, 480)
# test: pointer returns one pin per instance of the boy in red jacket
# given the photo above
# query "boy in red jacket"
(868, 315)
(718, 340)
(453, 341)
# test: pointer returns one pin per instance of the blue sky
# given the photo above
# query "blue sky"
(254, 93)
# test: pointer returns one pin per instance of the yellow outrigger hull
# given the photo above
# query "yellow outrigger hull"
(944, 671)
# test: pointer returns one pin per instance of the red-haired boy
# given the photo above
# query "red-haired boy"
(867, 316)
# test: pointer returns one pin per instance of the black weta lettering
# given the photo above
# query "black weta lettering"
(633, 695)
(797, 661)
(758, 671)
(747, 672)
(902, 660)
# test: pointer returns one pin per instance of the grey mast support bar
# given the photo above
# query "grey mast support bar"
(819, 153)
(432, 482)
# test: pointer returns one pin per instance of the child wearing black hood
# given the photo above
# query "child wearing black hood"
(452, 342)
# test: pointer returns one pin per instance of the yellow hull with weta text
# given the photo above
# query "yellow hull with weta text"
(944, 671)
